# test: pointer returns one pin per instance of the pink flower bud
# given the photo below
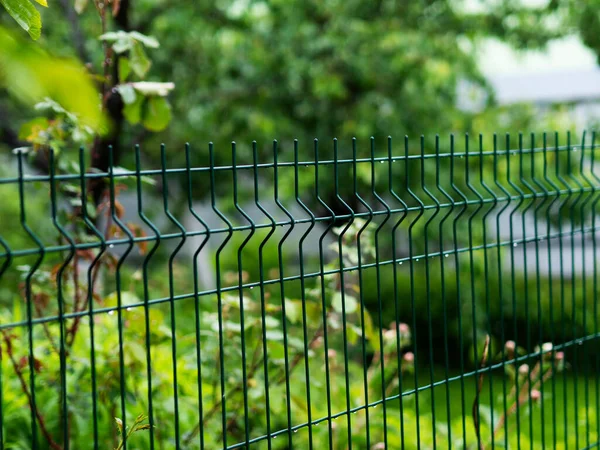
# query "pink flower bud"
(547, 347)
(331, 353)
(389, 335)
(535, 395)
(409, 357)
(523, 369)
(403, 328)
(559, 356)
(510, 347)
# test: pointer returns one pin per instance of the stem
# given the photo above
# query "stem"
(194, 432)
(255, 364)
(25, 389)
(299, 357)
(475, 409)
(521, 399)
(38, 310)
(72, 332)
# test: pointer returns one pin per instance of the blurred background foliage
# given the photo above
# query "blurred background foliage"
(149, 72)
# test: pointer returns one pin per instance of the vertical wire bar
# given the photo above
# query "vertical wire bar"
(263, 305)
(286, 356)
(524, 212)
(28, 294)
(458, 298)
(595, 279)
(486, 274)
(513, 278)
(550, 278)
(443, 256)
(361, 296)
(92, 269)
(544, 192)
(562, 278)
(336, 177)
(412, 285)
(165, 192)
(303, 294)
(428, 287)
(64, 415)
(125, 229)
(500, 289)
(379, 299)
(241, 292)
(323, 290)
(197, 317)
(572, 216)
(149, 255)
(477, 209)
(395, 264)
(219, 291)
(586, 357)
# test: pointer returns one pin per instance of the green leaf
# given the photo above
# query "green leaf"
(371, 333)
(133, 111)
(353, 333)
(111, 36)
(274, 335)
(156, 114)
(30, 74)
(275, 350)
(80, 6)
(293, 310)
(26, 16)
(16, 317)
(271, 322)
(127, 298)
(148, 41)
(29, 131)
(127, 93)
(119, 423)
(124, 69)
(350, 303)
(121, 41)
(149, 88)
(122, 45)
(140, 64)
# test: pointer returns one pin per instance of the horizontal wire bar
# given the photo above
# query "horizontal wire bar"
(298, 277)
(488, 369)
(136, 240)
(156, 172)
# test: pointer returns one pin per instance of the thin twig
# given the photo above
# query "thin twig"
(217, 405)
(520, 400)
(475, 409)
(38, 310)
(25, 389)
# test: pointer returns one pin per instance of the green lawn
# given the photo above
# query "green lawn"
(564, 417)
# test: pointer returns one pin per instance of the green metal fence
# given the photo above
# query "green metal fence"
(367, 295)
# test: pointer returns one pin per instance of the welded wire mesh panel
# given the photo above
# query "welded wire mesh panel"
(428, 293)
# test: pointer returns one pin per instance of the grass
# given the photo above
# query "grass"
(564, 417)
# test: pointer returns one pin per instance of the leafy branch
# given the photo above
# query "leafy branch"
(138, 425)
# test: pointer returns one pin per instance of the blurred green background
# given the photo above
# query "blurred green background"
(98, 75)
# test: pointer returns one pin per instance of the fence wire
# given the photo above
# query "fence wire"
(373, 295)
